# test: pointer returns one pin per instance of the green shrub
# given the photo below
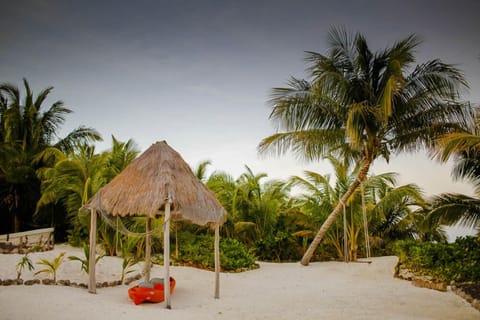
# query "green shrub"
(234, 255)
(279, 247)
(198, 251)
(458, 261)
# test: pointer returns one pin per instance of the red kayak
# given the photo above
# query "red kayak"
(152, 291)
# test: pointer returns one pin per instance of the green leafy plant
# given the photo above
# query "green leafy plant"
(25, 262)
(456, 261)
(197, 250)
(127, 263)
(51, 266)
(85, 262)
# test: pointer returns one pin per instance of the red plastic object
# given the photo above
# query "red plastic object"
(141, 294)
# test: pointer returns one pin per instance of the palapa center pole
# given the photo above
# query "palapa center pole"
(148, 249)
(166, 253)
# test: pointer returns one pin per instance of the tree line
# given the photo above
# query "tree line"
(355, 106)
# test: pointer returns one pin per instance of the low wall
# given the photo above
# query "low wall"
(21, 242)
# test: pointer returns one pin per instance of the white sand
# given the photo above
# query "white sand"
(326, 290)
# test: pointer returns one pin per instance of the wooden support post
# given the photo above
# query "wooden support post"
(217, 261)
(148, 249)
(92, 284)
(166, 253)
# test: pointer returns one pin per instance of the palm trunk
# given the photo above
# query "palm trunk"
(16, 214)
(362, 174)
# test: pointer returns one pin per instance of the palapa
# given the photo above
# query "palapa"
(159, 182)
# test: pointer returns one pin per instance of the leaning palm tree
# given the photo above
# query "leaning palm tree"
(379, 103)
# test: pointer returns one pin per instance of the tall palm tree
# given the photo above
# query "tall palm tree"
(26, 129)
(380, 103)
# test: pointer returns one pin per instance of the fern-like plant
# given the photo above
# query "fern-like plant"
(85, 262)
(25, 262)
(51, 266)
(127, 263)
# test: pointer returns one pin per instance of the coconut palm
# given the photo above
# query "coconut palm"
(26, 129)
(224, 186)
(380, 103)
(119, 157)
(464, 148)
(257, 205)
(73, 179)
(201, 170)
(397, 212)
(321, 195)
(390, 208)
(69, 183)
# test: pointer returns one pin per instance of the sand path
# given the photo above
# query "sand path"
(326, 290)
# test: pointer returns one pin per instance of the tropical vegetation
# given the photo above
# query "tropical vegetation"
(457, 261)
(356, 106)
(28, 128)
(464, 148)
(51, 266)
(366, 105)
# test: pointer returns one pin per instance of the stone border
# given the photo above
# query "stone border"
(68, 283)
(425, 281)
(474, 302)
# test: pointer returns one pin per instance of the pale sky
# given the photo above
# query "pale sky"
(198, 74)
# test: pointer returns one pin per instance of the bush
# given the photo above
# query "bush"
(198, 251)
(278, 247)
(458, 261)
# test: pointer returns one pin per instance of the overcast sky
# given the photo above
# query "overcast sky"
(198, 74)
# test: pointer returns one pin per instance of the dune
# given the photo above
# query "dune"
(323, 290)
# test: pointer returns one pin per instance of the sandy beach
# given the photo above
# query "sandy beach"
(326, 290)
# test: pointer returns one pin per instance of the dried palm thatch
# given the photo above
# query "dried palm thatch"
(143, 187)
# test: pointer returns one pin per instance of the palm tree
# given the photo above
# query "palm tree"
(398, 212)
(73, 179)
(464, 148)
(69, 183)
(319, 198)
(201, 170)
(389, 208)
(379, 103)
(26, 129)
(119, 157)
(224, 186)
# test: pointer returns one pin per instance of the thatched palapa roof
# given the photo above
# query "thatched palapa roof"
(143, 187)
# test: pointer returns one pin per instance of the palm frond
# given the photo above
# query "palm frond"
(306, 145)
(451, 209)
(78, 136)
